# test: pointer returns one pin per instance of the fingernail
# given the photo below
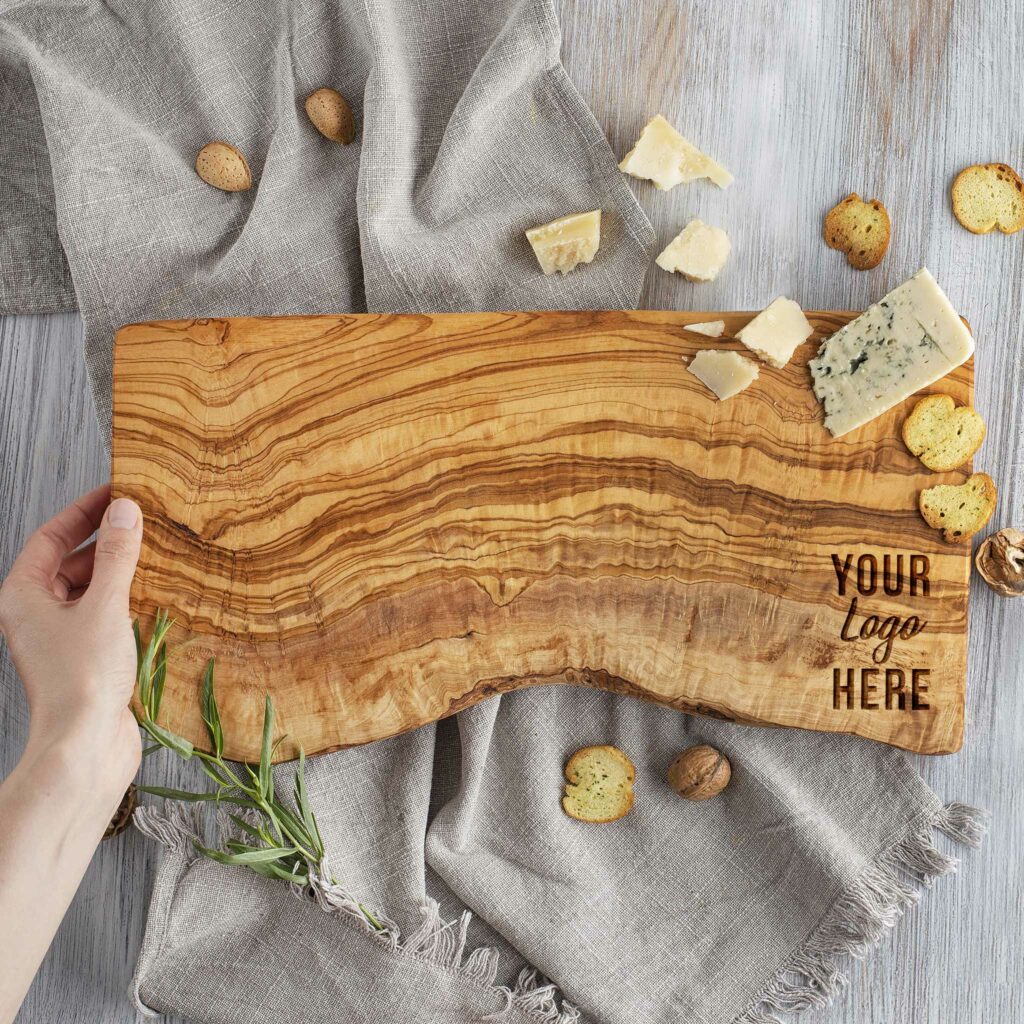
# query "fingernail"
(123, 513)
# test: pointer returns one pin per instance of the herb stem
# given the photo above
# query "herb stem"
(289, 843)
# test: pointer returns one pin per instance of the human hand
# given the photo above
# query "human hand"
(64, 614)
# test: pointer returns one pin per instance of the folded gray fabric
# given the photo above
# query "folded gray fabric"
(34, 275)
(469, 132)
(730, 911)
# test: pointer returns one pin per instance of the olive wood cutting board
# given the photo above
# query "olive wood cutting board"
(383, 519)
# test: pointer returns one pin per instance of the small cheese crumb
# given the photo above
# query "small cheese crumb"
(725, 373)
(698, 252)
(710, 329)
(565, 243)
(663, 156)
(774, 334)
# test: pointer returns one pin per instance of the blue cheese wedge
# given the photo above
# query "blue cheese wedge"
(908, 340)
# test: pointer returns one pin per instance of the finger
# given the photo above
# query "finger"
(44, 551)
(117, 551)
(75, 571)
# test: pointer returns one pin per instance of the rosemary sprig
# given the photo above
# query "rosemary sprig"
(285, 841)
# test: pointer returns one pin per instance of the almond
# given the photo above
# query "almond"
(221, 165)
(331, 115)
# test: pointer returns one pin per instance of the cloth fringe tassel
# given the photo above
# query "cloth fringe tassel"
(435, 941)
(873, 904)
(179, 829)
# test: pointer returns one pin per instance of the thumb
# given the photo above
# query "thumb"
(117, 550)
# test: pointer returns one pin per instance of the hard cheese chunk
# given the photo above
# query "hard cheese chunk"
(903, 343)
(774, 334)
(710, 329)
(565, 243)
(698, 252)
(663, 156)
(725, 373)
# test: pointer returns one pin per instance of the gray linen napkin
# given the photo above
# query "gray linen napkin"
(469, 132)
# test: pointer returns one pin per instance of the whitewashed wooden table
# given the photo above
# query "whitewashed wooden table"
(804, 102)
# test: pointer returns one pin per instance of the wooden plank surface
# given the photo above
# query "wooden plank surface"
(386, 519)
(804, 102)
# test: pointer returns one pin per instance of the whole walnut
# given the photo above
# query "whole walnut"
(123, 815)
(700, 773)
(1000, 560)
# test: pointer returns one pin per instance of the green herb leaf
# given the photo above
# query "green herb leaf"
(245, 826)
(266, 777)
(210, 712)
(252, 775)
(166, 738)
(190, 797)
(148, 662)
(215, 771)
(266, 870)
(250, 856)
(301, 798)
(142, 677)
(291, 825)
(159, 678)
(302, 802)
(276, 871)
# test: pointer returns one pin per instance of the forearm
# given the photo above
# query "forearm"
(53, 809)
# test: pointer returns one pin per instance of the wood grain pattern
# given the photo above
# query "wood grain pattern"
(381, 520)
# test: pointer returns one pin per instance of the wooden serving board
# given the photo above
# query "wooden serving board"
(381, 520)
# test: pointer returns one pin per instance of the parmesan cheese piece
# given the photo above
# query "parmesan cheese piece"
(908, 340)
(565, 243)
(725, 373)
(663, 156)
(774, 334)
(710, 329)
(698, 252)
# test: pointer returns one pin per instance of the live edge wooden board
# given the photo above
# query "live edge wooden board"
(381, 520)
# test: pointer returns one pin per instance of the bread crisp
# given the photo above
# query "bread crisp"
(860, 229)
(961, 510)
(599, 784)
(942, 435)
(989, 196)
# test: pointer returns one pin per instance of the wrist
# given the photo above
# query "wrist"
(88, 764)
